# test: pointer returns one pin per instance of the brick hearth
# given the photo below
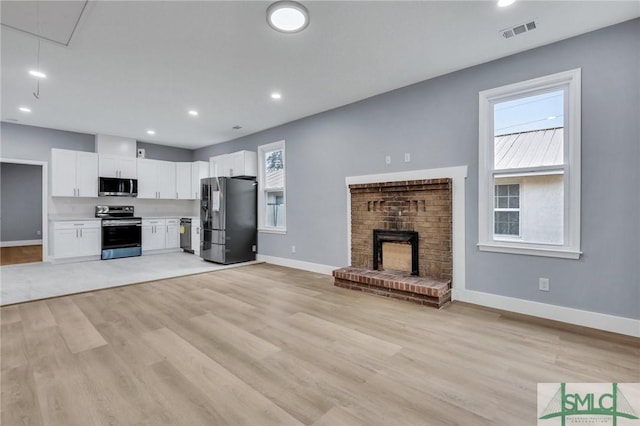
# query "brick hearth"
(422, 206)
(423, 290)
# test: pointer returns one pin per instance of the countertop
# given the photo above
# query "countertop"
(163, 217)
(72, 218)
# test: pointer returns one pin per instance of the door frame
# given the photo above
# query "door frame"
(45, 199)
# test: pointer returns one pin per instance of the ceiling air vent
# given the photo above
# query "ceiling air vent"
(518, 29)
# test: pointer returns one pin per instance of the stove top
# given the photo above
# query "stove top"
(114, 212)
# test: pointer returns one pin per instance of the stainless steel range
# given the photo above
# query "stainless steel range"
(121, 232)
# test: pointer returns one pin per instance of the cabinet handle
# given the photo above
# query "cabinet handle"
(76, 232)
(80, 232)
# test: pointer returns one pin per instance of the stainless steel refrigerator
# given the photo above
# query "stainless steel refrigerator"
(228, 212)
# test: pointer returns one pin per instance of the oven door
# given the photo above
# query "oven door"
(121, 233)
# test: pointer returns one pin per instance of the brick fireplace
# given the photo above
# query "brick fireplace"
(414, 219)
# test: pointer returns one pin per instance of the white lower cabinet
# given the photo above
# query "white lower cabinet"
(173, 234)
(153, 234)
(76, 238)
(195, 235)
(160, 234)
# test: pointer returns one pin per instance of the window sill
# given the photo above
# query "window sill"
(546, 251)
(272, 231)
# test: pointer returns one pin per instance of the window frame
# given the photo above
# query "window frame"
(570, 82)
(262, 191)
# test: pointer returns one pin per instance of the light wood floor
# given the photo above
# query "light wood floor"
(262, 345)
(20, 254)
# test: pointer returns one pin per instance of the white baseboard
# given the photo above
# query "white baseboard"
(20, 243)
(298, 264)
(614, 324)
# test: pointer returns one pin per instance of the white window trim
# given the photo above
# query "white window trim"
(486, 242)
(262, 149)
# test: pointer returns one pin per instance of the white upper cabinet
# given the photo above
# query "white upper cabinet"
(199, 170)
(147, 179)
(183, 181)
(156, 179)
(167, 180)
(241, 163)
(74, 173)
(117, 167)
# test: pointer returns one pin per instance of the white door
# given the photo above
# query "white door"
(90, 241)
(235, 164)
(63, 173)
(199, 170)
(167, 180)
(87, 174)
(153, 237)
(65, 242)
(195, 235)
(128, 168)
(172, 235)
(147, 237)
(147, 178)
(108, 166)
(183, 181)
(215, 166)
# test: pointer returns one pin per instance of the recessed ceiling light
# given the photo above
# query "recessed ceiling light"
(237, 127)
(25, 109)
(505, 3)
(287, 16)
(37, 74)
(151, 132)
(193, 112)
(276, 95)
(551, 117)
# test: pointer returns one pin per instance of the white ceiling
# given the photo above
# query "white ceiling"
(138, 65)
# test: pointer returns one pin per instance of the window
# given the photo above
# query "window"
(529, 174)
(507, 210)
(271, 188)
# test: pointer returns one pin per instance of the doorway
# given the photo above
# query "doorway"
(23, 211)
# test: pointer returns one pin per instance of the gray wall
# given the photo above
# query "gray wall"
(437, 122)
(167, 153)
(20, 202)
(35, 143)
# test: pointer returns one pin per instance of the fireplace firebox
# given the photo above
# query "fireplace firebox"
(383, 236)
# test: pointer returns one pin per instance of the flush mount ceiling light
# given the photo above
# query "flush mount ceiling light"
(505, 3)
(287, 16)
(151, 132)
(25, 109)
(193, 112)
(276, 95)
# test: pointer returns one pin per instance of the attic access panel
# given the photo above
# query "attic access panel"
(54, 21)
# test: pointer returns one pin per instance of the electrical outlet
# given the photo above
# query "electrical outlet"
(543, 284)
(387, 159)
(407, 157)
(293, 249)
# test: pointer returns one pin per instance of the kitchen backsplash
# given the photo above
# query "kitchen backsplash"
(85, 207)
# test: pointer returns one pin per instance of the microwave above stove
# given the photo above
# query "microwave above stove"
(118, 187)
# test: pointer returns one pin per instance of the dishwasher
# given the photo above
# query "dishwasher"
(185, 235)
